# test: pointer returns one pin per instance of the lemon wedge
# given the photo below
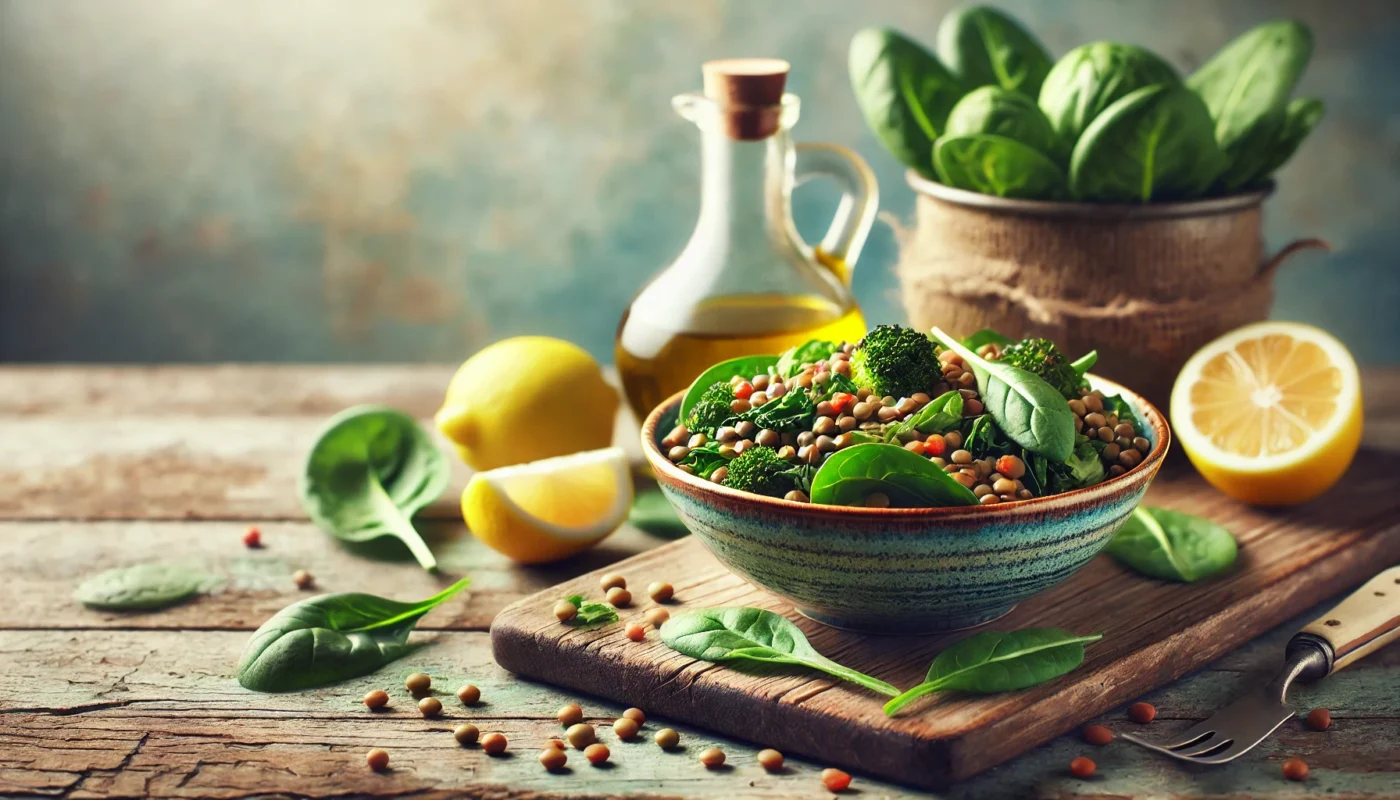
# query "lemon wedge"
(1270, 413)
(549, 509)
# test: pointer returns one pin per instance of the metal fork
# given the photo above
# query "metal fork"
(1364, 622)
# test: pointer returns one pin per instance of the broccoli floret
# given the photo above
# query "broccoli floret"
(760, 470)
(1042, 357)
(895, 361)
(712, 409)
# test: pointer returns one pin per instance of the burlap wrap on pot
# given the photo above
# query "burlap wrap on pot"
(1144, 285)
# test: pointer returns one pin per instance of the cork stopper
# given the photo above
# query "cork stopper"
(749, 91)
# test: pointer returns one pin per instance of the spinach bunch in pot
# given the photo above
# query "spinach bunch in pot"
(1109, 122)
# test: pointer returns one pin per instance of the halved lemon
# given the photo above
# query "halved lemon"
(1270, 413)
(549, 509)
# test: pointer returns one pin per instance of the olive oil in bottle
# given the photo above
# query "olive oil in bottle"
(746, 283)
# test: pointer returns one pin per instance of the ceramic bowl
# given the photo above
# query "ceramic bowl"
(905, 570)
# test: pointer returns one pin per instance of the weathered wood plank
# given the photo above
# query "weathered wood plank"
(121, 713)
(1153, 632)
(38, 590)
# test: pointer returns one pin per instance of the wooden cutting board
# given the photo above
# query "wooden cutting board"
(1154, 632)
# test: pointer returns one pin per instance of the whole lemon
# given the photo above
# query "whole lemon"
(525, 399)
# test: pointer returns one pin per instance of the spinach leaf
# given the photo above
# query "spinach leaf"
(653, 513)
(371, 469)
(1082, 468)
(809, 352)
(332, 637)
(1031, 412)
(791, 413)
(141, 587)
(983, 439)
(591, 615)
(745, 366)
(1153, 144)
(1000, 661)
(942, 414)
(904, 93)
(1172, 545)
(849, 476)
(985, 46)
(705, 459)
(985, 337)
(1300, 117)
(754, 636)
(997, 166)
(1084, 363)
(1092, 77)
(838, 383)
(1037, 473)
(1251, 76)
(998, 111)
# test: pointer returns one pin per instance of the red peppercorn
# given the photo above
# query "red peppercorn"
(1295, 769)
(835, 779)
(1142, 712)
(1082, 767)
(842, 401)
(636, 632)
(935, 445)
(253, 538)
(1097, 734)
(742, 390)
(1319, 719)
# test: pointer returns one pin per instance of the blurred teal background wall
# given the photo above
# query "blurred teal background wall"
(347, 180)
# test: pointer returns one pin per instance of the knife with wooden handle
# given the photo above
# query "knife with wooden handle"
(1366, 621)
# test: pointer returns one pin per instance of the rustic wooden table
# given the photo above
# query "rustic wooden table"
(101, 467)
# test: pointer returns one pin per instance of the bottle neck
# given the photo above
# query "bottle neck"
(743, 200)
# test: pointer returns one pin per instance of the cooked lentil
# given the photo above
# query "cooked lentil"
(377, 759)
(417, 683)
(619, 597)
(377, 699)
(430, 706)
(493, 744)
(770, 760)
(565, 611)
(552, 758)
(625, 728)
(1082, 767)
(712, 757)
(466, 733)
(570, 715)
(667, 738)
(656, 616)
(468, 694)
(581, 735)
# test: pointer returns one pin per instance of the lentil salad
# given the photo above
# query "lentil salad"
(818, 423)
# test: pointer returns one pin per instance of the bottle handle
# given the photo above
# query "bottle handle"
(860, 198)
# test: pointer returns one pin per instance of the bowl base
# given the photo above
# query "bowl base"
(920, 627)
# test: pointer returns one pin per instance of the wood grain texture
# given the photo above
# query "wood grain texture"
(1153, 632)
(256, 583)
(110, 705)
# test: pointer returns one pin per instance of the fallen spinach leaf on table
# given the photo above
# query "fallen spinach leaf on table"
(849, 476)
(142, 587)
(330, 638)
(754, 636)
(999, 661)
(1173, 545)
(591, 615)
(1030, 411)
(371, 469)
(653, 513)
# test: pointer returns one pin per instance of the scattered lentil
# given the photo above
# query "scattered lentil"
(836, 780)
(612, 580)
(552, 758)
(719, 474)
(636, 632)
(303, 579)
(1082, 767)
(796, 495)
(565, 611)
(417, 683)
(619, 597)
(667, 738)
(466, 733)
(1098, 735)
(570, 715)
(1142, 713)
(468, 694)
(581, 735)
(656, 616)
(712, 757)
(660, 591)
(252, 538)
(1319, 719)
(377, 759)
(626, 729)
(596, 753)
(770, 760)
(557, 744)
(1295, 769)
(493, 744)
(376, 699)
(430, 706)
(636, 715)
